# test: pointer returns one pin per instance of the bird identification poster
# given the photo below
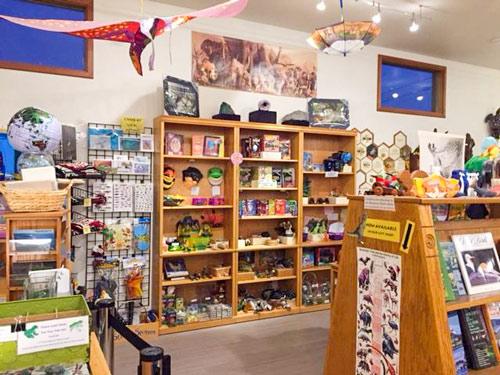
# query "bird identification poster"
(378, 308)
(53, 334)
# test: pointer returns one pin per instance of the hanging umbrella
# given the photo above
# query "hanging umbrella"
(344, 37)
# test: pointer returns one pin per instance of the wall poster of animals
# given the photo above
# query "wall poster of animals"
(237, 64)
(378, 303)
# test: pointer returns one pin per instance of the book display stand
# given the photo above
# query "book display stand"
(421, 343)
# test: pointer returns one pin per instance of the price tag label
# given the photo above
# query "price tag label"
(86, 229)
(331, 174)
(215, 191)
(195, 190)
(87, 202)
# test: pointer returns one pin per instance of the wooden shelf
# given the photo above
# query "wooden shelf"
(463, 302)
(495, 370)
(267, 189)
(177, 254)
(321, 142)
(266, 280)
(266, 247)
(322, 243)
(325, 205)
(261, 160)
(317, 268)
(196, 325)
(35, 215)
(190, 207)
(195, 158)
(268, 217)
(187, 281)
(322, 173)
(311, 308)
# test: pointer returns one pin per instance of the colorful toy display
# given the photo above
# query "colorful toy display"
(191, 176)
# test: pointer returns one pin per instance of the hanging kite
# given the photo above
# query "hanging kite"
(138, 33)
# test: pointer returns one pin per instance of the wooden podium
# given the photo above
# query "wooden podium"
(425, 344)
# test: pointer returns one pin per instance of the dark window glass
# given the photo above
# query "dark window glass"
(407, 88)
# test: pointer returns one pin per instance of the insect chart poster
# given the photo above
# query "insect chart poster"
(378, 309)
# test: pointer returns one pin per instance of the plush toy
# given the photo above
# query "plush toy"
(461, 176)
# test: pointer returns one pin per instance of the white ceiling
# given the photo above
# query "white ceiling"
(459, 30)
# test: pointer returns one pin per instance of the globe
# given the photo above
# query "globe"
(34, 130)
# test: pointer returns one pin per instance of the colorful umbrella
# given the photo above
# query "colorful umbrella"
(344, 37)
(139, 33)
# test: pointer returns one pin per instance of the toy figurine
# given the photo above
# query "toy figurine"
(461, 177)
(191, 176)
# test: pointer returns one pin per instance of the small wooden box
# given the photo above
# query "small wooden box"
(243, 276)
(283, 272)
(222, 271)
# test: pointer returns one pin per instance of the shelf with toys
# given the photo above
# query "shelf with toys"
(254, 172)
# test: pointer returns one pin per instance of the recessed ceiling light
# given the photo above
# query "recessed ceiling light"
(420, 98)
(321, 6)
(395, 95)
(377, 17)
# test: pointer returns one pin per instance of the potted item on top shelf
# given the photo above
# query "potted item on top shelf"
(226, 112)
(316, 230)
(264, 114)
(286, 233)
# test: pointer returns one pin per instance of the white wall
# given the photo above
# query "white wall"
(117, 90)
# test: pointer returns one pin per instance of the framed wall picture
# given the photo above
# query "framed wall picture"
(212, 146)
(48, 52)
(180, 97)
(478, 260)
(329, 113)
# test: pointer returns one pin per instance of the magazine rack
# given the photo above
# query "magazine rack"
(425, 344)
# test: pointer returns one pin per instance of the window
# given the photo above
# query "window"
(411, 87)
(24, 48)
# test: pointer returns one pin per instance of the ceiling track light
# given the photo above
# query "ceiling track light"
(377, 17)
(321, 6)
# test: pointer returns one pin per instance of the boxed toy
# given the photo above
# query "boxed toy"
(262, 177)
(174, 144)
(197, 143)
(288, 177)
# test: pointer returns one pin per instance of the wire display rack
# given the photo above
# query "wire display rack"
(92, 239)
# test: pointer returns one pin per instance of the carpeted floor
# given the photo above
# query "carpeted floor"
(290, 345)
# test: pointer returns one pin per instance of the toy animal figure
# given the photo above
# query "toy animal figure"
(461, 176)
(472, 179)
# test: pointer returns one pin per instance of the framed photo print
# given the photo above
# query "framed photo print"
(180, 97)
(212, 146)
(478, 260)
(130, 143)
(147, 143)
(329, 113)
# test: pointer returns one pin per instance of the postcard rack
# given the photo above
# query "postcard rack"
(425, 344)
(88, 241)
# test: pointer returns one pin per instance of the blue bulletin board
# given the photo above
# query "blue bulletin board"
(24, 48)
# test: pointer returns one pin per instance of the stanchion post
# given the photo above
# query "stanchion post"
(151, 361)
(105, 331)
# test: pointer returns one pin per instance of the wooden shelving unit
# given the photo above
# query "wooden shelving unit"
(58, 221)
(321, 142)
(425, 343)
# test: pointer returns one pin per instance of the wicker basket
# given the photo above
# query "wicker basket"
(34, 200)
(221, 271)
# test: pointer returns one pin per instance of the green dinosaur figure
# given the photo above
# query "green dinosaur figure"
(31, 333)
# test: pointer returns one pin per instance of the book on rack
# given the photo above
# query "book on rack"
(457, 344)
(447, 248)
(478, 347)
(449, 294)
(494, 312)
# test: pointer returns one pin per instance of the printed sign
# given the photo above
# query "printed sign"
(378, 311)
(385, 230)
(375, 202)
(331, 174)
(53, 334)
(133, 125)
